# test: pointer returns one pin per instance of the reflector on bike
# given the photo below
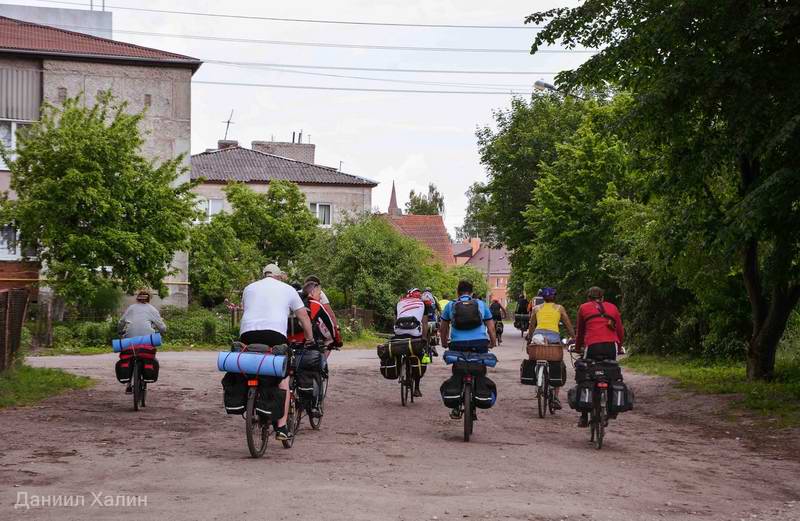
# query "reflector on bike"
(253, 382)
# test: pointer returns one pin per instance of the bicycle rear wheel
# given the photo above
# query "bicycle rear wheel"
(468, 418)
(256, 430)
(316, 420)
(143, 393)
(598, 429)
(137, 390)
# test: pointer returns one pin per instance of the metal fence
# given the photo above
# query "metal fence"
(365, 316)
(13, 309)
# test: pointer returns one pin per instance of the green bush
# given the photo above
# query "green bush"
(196, 325)
(209, 330)
(63, 335)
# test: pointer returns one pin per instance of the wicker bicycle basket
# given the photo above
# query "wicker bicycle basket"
(548, 352)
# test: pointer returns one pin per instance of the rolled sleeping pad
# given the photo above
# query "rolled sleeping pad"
(253, 363)
(487, 359)
(118, 344)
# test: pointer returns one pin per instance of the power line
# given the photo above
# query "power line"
(381, 69)
(300, 20)
(342, 45)
(394, 80)
(357, 89)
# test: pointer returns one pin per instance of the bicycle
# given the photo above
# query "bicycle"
(313, 408)
(139, 355)
(407, 381)
(467, 407)
(545, 394)
(138, 384)
(521, 322)
(598, 414)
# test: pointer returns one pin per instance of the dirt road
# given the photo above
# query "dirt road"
(375, 460)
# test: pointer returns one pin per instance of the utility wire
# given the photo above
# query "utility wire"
(394, 80)
(301, 20)
(380, 69)
(341, 45)
(358, 89)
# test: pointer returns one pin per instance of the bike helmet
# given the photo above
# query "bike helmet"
(414, 293)
(549, 292)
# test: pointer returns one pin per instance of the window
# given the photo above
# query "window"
(10, 246)
(8, 136)
(209, 208)
(62, 94)
(323, 212)
(148, 100)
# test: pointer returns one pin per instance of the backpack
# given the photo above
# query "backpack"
(601, 313)
(467, 314)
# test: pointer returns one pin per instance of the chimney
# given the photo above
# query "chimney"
(476, 244)
(226, 143)
(303, 152)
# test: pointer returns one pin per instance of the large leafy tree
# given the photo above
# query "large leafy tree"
(96, 211)
(228, 252)
(714, 86)
(477, 221)
(431, 203)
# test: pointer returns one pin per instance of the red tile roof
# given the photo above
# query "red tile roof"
(20, 37)
(429, 230)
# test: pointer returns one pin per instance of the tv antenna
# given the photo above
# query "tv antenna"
(228, 124)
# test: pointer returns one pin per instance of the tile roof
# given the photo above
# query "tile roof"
(20, 37)
(462, 249)
(251, 166)
(495, 259)
(429, 230)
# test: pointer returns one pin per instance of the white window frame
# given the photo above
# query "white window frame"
(314, 207)
(17, 255)
(204, 205)
(14, 125)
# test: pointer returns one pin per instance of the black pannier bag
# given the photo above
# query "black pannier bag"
(620, 398)
(451, 391)
(467, 314)
(581, 371)
(417, 367)
(402, 347)
(612, 370)
(234, 388)
(150, 370)
(270, 399)
(390, 369)
(572, 397)
(124, 370)
(308, 360)
(462, 368)
(558, 373)
(583, 396)
(407, 323)
(305, 385)
(527, 372)
(485, 392)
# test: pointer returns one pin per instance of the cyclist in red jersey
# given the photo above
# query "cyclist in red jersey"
(599, 330)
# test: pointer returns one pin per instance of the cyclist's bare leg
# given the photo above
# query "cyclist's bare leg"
(285, 386)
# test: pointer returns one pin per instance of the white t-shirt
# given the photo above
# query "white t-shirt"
(410, 307)
(267, 304)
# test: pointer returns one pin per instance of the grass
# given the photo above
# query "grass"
(779, 399)
(25, 385)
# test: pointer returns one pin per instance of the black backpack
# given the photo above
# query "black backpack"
(467, 314)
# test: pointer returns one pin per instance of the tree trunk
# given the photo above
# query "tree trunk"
(767, 334)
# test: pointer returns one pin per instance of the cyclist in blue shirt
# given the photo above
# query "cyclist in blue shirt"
(467, 324)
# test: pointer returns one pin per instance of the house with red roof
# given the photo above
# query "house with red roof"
(427, 229)
(40, 63)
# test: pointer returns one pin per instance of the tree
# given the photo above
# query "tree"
(714, 86)
(472, 274)
(421, 204)
(97, 213)
(477, 222)
(228, 252)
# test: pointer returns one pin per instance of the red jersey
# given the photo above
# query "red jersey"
(322, 325)
(594, 329)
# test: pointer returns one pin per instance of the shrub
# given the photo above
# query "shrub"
(196, 325)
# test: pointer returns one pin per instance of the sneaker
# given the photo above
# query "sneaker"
(129, 389)
(455, 414)
(557, 404)
(282, 433)
(434, 352)
(583, 422)
(417, 393)
(316, 413)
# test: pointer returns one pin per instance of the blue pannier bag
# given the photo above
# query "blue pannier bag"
(486, 359)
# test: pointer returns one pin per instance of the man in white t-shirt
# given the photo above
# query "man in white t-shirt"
(267, 304)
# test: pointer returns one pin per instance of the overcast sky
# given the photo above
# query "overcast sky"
(409, 138)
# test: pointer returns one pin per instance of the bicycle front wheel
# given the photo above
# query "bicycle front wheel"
(256, 430)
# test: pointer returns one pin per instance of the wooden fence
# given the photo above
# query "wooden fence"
(365, 316)
(13, 309)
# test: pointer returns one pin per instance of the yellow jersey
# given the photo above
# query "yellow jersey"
(548, 316)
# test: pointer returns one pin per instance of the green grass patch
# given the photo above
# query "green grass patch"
(25, 385)
(99, 350)
(779, 399)
(367, 339)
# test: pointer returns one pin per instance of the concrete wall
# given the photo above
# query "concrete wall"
(96, 23)
(345, 199)
(166, 126)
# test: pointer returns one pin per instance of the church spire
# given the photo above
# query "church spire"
(393, 208)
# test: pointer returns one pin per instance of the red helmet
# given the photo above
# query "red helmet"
(414, 293)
